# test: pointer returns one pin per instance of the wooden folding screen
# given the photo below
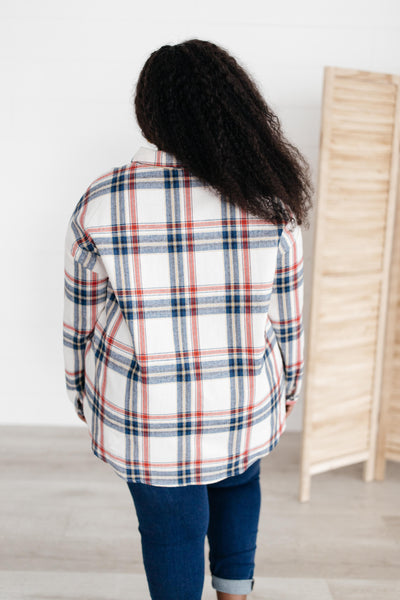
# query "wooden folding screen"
(388, 446)
(355, 210)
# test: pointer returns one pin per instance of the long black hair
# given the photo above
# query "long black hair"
(196, 102)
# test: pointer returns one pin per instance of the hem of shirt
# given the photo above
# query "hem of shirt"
(252, 458)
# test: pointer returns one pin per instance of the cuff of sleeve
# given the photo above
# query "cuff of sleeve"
(76, 398)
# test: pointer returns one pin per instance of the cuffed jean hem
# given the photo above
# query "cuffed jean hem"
(232, 586)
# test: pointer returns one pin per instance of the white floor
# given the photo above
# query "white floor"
(68, 530)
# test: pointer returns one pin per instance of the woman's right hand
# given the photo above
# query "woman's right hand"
(289, 408)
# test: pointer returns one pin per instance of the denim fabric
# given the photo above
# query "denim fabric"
(173, 523)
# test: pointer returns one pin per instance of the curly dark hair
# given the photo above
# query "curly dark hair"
(196, 102)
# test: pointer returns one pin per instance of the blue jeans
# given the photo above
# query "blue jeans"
(173, 523)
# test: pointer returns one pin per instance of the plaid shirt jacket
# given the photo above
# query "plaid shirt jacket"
(183, 335)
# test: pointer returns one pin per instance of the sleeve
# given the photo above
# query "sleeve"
(286, 309)
(85, 291)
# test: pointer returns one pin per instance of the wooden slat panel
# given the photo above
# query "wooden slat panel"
(388, 446)
(359, 147)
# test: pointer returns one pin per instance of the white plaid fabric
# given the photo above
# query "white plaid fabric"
(183, 332)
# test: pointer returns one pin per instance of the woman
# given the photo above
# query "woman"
(183, 331)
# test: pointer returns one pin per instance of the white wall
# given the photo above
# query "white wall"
(67, 75)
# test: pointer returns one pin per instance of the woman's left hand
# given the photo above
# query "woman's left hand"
(79, 408)
(82, 418)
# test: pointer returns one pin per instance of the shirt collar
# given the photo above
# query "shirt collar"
(155, 156)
